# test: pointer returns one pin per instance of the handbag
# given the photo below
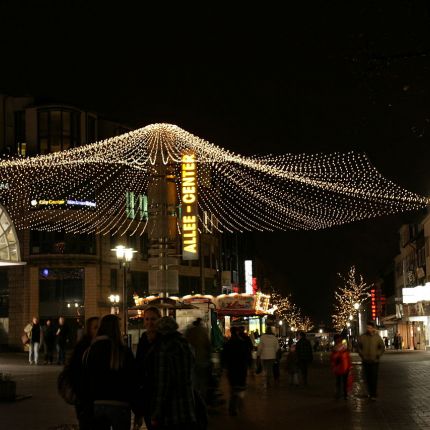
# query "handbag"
(65, 387)
(25, 339)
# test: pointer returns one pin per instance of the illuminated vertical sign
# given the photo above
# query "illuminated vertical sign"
(189, 214)
(248, 276)
(373, 303)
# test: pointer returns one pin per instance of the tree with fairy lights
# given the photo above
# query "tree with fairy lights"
(285, 309)
(353, 291)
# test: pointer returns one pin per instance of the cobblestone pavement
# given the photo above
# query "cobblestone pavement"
(403, 402)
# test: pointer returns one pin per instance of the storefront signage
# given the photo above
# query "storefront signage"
(236, 304)
(416, 294)
(41, 203)
(189, 212)
(248, 276)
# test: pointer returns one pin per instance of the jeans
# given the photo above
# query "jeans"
(33, 353)
(111, 417)
(61, 350)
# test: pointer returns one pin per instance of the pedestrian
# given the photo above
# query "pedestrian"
(63, 338)
(267, 352)
(236, 358)
(292, 366)
(197, 336)
(304, 355)
(145, 368)
(340, 361)
(397, 341)
(35, 334)
(109, 377)
(84, 406)
(49, 341)
(371, 347)
(172, 399)
(250, 341)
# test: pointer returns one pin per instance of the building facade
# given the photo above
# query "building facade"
(73, 275)
(412, 283)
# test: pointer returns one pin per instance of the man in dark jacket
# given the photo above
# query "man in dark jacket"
(49, 339)
(172, 400)
(63, 338)
(304, 356)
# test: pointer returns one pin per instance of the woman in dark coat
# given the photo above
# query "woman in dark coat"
(110, 377)
(236, 357)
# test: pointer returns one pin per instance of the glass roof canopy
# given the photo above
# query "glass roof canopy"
(9, 244)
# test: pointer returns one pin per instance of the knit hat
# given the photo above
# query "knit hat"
(166, 325)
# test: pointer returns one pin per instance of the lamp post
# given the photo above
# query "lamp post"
(114, 300)
(357, 308)
(124, 256)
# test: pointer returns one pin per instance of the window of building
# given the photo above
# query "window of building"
(58, 130)
(19, 128)
(46, 242)
(136, 205)
(61, 291)
(189, 285)
(91, 129)
(139, 283)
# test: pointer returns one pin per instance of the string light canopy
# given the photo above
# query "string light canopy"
(240, 193)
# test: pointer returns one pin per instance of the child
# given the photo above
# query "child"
(292, 366)
(341, 366)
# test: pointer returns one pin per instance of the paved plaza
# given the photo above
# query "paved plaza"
(402, 404)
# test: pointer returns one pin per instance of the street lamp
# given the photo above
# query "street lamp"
(114, 299)
(357, 308)
(124, 256)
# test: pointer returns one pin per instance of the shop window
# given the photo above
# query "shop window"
(58, 130)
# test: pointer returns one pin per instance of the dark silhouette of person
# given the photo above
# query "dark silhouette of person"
(236, 358)
(304, 356)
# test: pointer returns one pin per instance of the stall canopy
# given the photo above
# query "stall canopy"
(9, 245)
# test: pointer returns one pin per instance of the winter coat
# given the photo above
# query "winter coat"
(370, 347)
(268, 347)
(340, 360)
(304, 350)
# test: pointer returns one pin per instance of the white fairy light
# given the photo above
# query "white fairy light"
(267, 193)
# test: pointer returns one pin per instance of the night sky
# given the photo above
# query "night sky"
(316, 77)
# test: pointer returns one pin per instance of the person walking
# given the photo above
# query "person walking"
(144, 366)
(292, 366)
(35, 334)
(49, 341)
(236, 358)
(109, 377)
(197, 336)
(63, 338)
(267, 352)
(84, 406)
(340, 361)
(172, 399)
(370, 348)
(397, 341)
(304, 356)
